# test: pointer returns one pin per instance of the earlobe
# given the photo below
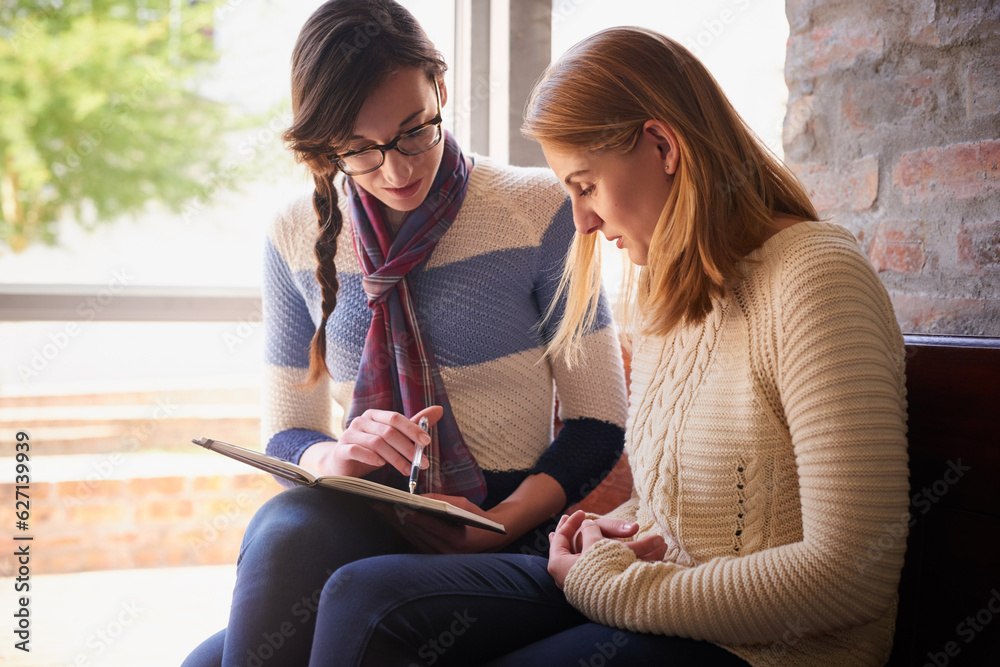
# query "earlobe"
(666, 143)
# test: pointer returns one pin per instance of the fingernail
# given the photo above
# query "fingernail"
(425, 439)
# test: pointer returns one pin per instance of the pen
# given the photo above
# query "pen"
(418, 457)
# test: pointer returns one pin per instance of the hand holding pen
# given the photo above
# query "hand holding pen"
(374, 439)
(418, 456)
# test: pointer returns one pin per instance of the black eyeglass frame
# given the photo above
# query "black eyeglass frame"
(382, 148)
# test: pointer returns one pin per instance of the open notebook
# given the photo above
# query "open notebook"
(353, 485)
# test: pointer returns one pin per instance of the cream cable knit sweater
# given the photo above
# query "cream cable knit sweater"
(768, 446)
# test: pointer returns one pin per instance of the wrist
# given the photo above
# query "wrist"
(315, 457)
(537, 499)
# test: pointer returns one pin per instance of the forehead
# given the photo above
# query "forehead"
(404, 96)
(566, 163)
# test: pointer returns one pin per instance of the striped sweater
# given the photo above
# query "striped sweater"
(479, 297)
(768, 448)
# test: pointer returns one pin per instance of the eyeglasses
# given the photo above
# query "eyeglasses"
(415, 141)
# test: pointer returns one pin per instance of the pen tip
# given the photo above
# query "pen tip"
(413, 487)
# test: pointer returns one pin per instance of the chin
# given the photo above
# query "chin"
(639, 259)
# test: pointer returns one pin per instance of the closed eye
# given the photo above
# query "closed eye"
(587, 192)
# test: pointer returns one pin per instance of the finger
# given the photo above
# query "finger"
(367, 431)
(379, 446)
(617, 527)
(348, 452)
(571, 524)
(591, 534)
(433, 414)
(406, 428)
(397, 431)
(559, 545)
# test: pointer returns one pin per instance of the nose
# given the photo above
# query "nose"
(585, 219)
(397, 169)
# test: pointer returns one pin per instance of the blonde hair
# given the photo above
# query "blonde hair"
(726, 190)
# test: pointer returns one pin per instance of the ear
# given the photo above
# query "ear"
(444, 91)
(663, 138)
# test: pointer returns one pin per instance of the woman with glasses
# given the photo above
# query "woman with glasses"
(412, 282)
(767, 420)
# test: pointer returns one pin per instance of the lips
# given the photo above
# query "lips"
(406, 191)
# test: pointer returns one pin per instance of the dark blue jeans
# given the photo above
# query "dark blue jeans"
(323, 580)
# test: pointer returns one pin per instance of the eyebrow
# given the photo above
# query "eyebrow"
(406, 121)
(579, 172)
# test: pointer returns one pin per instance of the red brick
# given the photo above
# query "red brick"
(225, 507)
(852, 188)
(917, 91)
(958, 171)
(858, 114)
(982, 88)
(91, 514)
(253, 482)
(38, 490)
(43, 513)
(213, 483)
(979, 248)
(62, 543)
(90, 488)
(831, 47)
(125, 537)
(164, 510)
(167, 485)
(898, 247)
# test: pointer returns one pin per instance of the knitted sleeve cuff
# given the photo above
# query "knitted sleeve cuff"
(588, 581)
(289, 444)
(583, 454)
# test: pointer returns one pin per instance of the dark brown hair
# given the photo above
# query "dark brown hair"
(345, 51)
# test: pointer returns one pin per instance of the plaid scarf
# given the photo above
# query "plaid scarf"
(398, 370)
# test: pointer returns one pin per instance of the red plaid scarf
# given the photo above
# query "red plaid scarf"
(398, 370)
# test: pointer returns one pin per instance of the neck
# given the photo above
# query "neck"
(394, 218)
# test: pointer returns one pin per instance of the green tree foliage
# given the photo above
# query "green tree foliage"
(99, 114)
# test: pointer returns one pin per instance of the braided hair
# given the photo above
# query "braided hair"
(345, 51)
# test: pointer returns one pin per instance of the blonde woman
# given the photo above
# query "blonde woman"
(767, 423)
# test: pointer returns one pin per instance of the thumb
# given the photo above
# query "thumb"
(617, 527)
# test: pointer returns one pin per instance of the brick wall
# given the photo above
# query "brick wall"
(139, 522)
(893, 124)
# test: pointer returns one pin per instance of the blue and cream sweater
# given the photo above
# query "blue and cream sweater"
(479, 297)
